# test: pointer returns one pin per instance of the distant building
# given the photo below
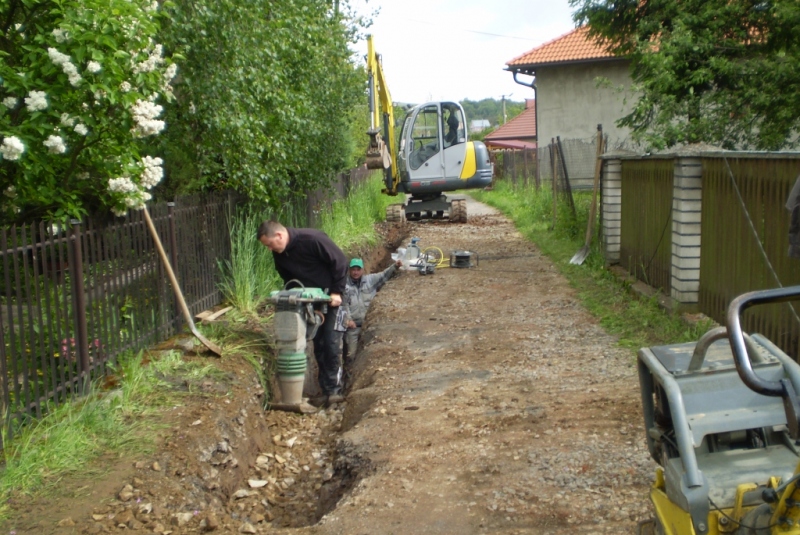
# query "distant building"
(569, 101)
(518, 133)
(479, 125)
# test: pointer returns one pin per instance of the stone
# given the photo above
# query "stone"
(181, 519)
(64, 522)
(247, 527)
(156, 467)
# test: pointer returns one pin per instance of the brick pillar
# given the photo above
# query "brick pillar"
(687, 196)
(612, 209)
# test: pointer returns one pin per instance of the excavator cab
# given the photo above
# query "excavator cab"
(434, 156)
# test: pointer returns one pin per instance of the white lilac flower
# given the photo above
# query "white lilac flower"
(82, 176)
(118, 212)
(125, 86)
(10, 102)
(121, 185)
(81, 129)
(12, 148)
(170, 72)
(93, 67)
(144, 115)
(152, 173)
(55, 145)
(36, 100)
(152, 7)
(10, 192)
(63, 61)
(152, 61)
(66, 120)
(60, 35)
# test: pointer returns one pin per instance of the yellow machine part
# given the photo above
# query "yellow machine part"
(469, 168)
(676, 521)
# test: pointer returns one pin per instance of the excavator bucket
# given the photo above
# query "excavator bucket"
(378, 156)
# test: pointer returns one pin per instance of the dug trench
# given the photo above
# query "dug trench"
(485, 400)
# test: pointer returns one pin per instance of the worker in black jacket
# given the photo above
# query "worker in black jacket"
(312, 258)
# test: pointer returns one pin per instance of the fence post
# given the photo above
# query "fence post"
(79, 304)
(686, 218)
(173, 258)
(611, 211)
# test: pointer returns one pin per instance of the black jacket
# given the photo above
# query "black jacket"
(312, 258)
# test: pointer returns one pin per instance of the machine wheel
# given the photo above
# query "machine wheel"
(458, 211)
(395, 213)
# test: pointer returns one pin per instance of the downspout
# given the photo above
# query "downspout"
(532, 85)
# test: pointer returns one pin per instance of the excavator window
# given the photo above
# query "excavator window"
(453, 125)
(424, 136)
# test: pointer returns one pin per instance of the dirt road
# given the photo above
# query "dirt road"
(489, 401)
(486, 400)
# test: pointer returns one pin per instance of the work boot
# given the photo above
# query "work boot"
(318, 401)
(335, 398)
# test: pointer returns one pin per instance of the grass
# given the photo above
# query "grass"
(351, 221)
(637, 322)
(70, 435)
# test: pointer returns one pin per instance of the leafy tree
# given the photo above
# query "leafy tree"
(720, 71)
(266, 97)
(80, 82)
(491, 110)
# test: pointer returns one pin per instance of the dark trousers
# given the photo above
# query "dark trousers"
(327, 351)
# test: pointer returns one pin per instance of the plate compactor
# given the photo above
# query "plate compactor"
(723, 422)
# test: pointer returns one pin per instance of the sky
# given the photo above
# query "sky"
(458, 49)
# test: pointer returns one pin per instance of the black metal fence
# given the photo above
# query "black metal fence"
(73, 297)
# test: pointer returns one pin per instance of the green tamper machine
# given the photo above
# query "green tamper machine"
(299, 312)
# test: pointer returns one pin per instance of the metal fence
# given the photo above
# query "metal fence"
(76, 296)
(744, 242)
(646, 221)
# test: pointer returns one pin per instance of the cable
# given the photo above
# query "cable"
(438, 256)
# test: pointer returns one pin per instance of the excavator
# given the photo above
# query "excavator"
(431, 156)
(722, 419)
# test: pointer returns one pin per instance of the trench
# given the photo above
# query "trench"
(310, 497)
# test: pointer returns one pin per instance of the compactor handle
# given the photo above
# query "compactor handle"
(782, 388)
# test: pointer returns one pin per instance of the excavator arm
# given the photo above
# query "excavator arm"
(381, 154)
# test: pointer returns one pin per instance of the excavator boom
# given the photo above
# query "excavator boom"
(380, 154)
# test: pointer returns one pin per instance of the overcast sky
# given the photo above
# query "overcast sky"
(458, 49)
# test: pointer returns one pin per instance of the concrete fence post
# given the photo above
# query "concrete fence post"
(611, 215)
(686, 212)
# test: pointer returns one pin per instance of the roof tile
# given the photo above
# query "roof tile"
(523, 126)
(573, 46)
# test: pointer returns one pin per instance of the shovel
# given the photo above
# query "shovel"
(187, 316)
(583, 252)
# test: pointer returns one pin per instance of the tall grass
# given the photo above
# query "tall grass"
(637, 322)
(249, 276)
(351, 221)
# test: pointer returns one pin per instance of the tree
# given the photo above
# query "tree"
(266, 96)
(725, 72)
(80, 82)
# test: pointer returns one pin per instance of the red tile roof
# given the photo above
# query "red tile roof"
(522, 127)
(571, 47)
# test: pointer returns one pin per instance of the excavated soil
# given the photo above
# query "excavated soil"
(486, 400)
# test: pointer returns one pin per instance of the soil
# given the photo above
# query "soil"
(485, 400)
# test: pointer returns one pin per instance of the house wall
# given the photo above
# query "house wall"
(571, 105)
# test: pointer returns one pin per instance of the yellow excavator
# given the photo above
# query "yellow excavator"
(722, 419)
(431, 156)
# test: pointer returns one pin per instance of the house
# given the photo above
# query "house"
(571, 100)
(479, 125)
(518, 133)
